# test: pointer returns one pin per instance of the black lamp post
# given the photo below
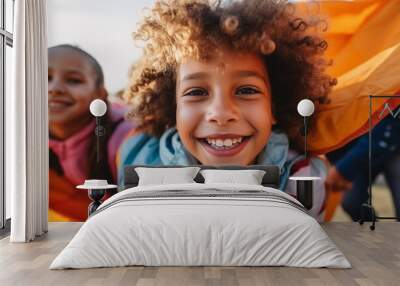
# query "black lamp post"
(98, 108)
(305, 108)
(97, 187)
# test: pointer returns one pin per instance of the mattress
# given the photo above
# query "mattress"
(201, 225)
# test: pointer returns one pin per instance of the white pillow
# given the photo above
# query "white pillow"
(248, 177)
(162, 176)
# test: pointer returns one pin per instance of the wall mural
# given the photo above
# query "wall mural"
(218, 83)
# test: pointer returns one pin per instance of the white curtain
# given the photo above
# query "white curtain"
(27, 123)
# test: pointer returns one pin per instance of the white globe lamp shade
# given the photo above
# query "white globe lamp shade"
(98, 107)
(305, 107)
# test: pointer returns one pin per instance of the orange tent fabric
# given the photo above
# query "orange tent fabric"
(66, 203)
(364, 42)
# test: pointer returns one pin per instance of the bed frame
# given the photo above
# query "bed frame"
(270, 179)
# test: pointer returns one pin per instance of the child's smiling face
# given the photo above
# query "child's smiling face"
(224, 113)
(72, 87)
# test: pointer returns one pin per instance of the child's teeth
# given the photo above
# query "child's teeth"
(228, 142)
(219, 143)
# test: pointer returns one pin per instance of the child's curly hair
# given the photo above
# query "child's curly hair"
(179, 29)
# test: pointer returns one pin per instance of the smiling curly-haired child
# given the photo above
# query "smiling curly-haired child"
(219, 83)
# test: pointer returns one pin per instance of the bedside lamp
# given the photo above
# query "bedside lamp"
(304, 185)
(98, 108)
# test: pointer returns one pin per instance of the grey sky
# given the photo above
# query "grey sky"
(101, 27)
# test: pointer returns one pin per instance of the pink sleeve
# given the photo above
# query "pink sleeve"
(116, 139)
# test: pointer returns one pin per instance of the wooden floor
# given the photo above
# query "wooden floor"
(375, 256)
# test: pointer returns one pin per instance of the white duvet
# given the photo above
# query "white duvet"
(269, 228)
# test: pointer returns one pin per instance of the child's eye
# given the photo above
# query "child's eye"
(196, 92)
(247, 90)
(74, 80)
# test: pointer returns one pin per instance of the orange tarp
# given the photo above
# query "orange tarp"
(66, 203)
(364, 43)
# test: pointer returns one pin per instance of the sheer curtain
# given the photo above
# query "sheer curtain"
(27, 124)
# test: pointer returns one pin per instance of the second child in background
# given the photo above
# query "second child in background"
(75, 79)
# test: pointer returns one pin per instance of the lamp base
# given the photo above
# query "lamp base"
(96, 195)
(304, 190)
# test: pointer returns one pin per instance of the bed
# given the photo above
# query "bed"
(201, 224)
